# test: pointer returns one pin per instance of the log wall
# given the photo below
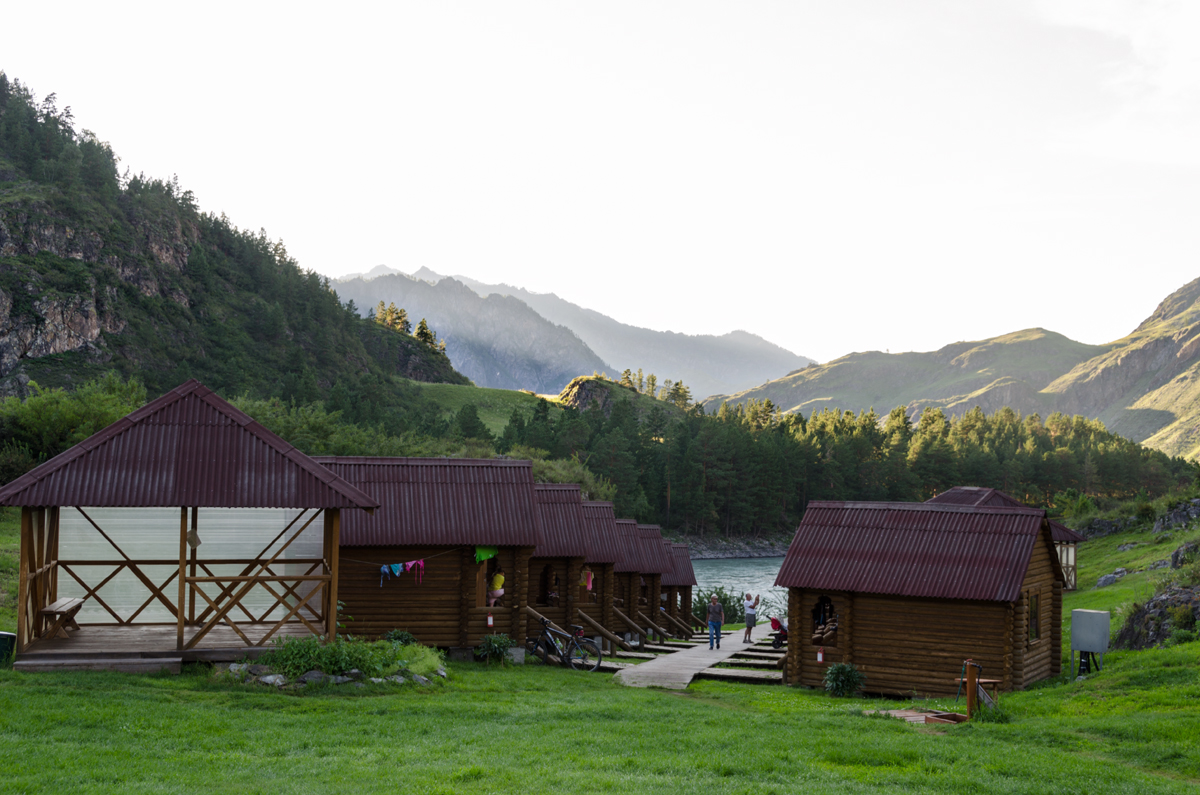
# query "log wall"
(1042, 657)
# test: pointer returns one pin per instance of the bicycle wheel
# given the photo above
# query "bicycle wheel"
(585, 655)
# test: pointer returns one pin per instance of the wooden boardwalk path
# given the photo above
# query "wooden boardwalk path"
(676, 671)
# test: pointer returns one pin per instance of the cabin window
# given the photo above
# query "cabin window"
(825, 623)
(1035, 629)
(548, 586)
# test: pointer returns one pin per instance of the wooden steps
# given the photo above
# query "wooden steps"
(759, 655)
(765, 664)
(611, 666)
(742, 675)
(130, 665)
(633, 655)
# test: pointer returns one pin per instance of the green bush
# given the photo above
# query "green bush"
(294, 657)
(401, 636)
(735, 611)
(1180, 636)
(1146, 512)
(843, 679)
(1182, 617)
(494, 647)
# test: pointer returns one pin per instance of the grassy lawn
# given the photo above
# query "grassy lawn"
(495, 405)
(1133, 728)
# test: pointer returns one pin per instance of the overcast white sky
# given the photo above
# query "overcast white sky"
(833, 176)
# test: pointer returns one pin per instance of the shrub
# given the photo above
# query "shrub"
(1182, 617)
(1179, 636)
(735, 611)
(494, 647)
(1146, 512)
(401, 636)
(296, 656)
(843, 679)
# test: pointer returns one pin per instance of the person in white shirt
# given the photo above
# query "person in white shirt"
(751, 615)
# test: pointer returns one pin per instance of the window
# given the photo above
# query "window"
(1035, 629)
(825, 623)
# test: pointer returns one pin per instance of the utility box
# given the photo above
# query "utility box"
(1090, 630)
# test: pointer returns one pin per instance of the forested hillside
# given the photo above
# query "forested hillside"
(102, 270)
(1145, 386)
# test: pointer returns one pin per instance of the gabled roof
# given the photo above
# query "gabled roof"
(440, 501)
(629, 557)
(655, 558)
(603, 534)
(187, 448)
(915, 549)
(977, 495)
(562, 532)
(682, 572)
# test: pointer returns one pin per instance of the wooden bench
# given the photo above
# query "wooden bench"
(990, 685)
(63, 612)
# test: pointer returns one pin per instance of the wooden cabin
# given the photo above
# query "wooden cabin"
(908, 591)
(452, 524)
(1066, 540)
(556, 565)
(656, 562)
(678, 584)
(184, 531)
(601, 557)
(627, 579)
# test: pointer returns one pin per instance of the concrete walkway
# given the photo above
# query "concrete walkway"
(675, 671)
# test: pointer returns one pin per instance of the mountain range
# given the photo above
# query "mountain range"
(1145, 386)
(573, 340)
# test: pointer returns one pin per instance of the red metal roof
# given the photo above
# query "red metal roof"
(977, 495)
(682, 572)
(562, 531)
(602, 538)
(441, 501)
(629, 546)
(913, 549)
(654, 556)
(187, 448)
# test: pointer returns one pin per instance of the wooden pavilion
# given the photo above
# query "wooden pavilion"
(908, 591)
(1066, 540)
(111, 565)
(444, 529)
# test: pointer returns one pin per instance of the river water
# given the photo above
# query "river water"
(742, 575)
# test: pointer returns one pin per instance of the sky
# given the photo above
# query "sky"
(835, 177)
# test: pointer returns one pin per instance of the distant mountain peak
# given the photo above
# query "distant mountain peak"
(1174, 305)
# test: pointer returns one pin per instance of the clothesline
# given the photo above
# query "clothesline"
(375, 564)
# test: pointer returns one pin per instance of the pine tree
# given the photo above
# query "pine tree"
(627, 377)
(424, 334)
(378, 313)
(652, 385)
(403, 325)
(640, 383)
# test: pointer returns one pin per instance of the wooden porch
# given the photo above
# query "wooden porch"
(153, 641)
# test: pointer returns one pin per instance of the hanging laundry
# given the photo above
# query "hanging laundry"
(485, 553)
(398, 569)
(388, 571)
(416, 565)
(586, 579)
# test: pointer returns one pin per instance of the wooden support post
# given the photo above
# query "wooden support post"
(333, 518)
(972, 686)
(662, 633)
(24, 626)
(1056, 600)
(683, 628)
(795, 646)
(53, 554)
(181, 605)
(192, 593)
(571, 588)
(466, 594)
(39, 560)
(629, 623)
(604, 633)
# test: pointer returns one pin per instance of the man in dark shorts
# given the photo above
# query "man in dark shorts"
(716, 617)
(751, 615)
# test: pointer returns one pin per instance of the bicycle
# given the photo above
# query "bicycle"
(572, 651)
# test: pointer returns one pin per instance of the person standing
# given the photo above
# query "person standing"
(751, 615)
(716, 617)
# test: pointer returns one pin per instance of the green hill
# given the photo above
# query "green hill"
(100, 271)
(1145, 386)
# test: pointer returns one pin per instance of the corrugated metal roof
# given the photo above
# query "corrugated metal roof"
(977, 495)
(602, 536)
(441, 501)
(654, 555)
(187, 448)
(562, 531)
(682, 572)
(913, 549)
(629, 546)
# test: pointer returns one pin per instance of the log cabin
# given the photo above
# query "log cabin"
(600, 560)
(627, 579)
(656, 562)
(1066, 540)
(556, 565)
(678, 584)
(111, 535)
(908, 591)
(458, 522)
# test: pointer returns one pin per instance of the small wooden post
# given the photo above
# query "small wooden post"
(39, 560)
(191, 592)
(53, 554)
(334, 518)
(181, 605)
(23, 626)
(972, 686)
